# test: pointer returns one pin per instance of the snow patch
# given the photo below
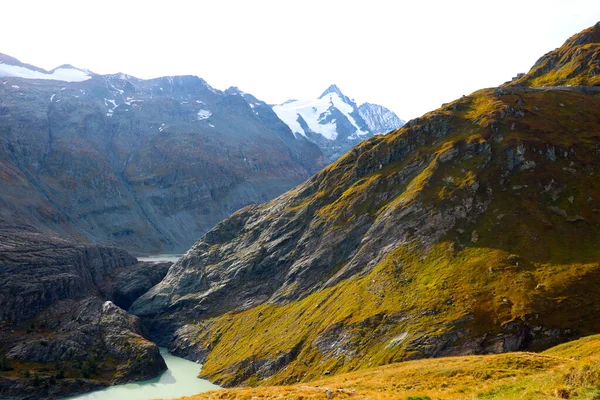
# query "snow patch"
(52, 97)
(203, 114)
(15, 87)
(111, 110)
(59, 74)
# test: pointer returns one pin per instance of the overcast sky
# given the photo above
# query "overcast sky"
(410, 56)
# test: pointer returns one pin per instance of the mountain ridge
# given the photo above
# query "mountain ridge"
(144, 164)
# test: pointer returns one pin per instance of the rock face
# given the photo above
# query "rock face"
(147, 165)
(335, 122)
(59, 329)
(473, 229)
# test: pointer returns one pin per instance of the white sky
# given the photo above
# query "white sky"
(410, 56)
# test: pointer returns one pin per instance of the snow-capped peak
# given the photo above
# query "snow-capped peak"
(66, 73)
(334, 121)
(323, 115)
(332, 89)
(379, 119)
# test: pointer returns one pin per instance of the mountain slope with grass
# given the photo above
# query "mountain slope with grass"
(577, 62)
(470, 230)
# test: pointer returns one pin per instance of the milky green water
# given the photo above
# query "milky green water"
(179, 380)
(161, 258)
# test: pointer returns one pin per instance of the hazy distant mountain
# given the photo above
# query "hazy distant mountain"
(149, 165)
(335, 122)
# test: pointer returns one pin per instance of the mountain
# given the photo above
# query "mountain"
(379, 119)
(470, 230)
(147, 165)
(334, 121)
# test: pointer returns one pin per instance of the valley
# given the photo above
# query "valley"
(311, 249)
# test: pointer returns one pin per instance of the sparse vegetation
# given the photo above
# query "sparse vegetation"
(508, 376)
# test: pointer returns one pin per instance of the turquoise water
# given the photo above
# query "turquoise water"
(161, 257)
(181, 379)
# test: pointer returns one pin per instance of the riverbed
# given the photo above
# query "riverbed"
(180, 379)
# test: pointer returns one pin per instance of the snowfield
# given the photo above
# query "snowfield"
(59, 74)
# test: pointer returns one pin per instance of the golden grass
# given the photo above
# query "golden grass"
(503, 376)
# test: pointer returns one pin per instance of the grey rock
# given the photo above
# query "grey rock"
(56, 309)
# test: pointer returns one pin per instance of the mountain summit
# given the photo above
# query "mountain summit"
(335, 122)
(334, 89)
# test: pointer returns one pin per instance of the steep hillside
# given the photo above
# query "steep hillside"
(471, 230)
(462, 233)
(149, 165)
(335, 122)
(569, 371)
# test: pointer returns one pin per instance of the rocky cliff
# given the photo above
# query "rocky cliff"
(472, 229)
(60, 332)
(148, 165)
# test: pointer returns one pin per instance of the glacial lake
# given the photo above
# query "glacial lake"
(180, 379)
(161, 258)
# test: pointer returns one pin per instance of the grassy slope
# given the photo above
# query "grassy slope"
(577, 62)
(552, 283)
(531, 257)
(571, 370)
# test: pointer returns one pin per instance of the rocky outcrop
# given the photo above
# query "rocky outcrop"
(59, 330)
(130, 283)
